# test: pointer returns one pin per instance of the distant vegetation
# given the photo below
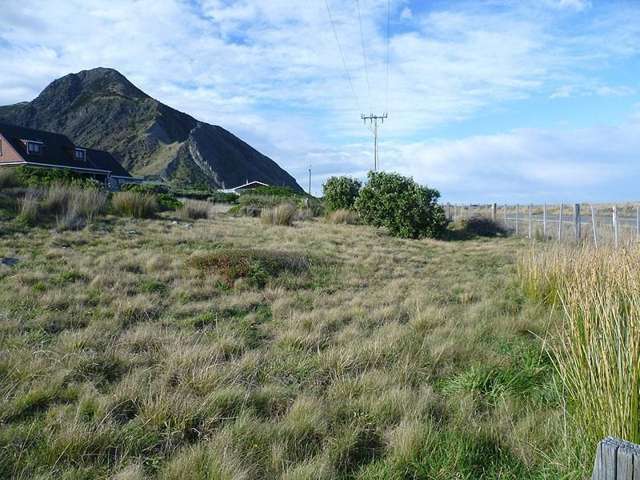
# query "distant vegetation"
(405, 208)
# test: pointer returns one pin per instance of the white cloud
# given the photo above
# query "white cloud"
(270, 70)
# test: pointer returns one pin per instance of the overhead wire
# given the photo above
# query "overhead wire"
(364, 54)
(386, 99)
(344, 61)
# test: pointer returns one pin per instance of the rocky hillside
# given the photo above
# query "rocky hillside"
(101, 109)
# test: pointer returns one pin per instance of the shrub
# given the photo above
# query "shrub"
(478, 227)
(9, 177)
(341, 192)
(255, 265)
(45, 177)
(222, 197)
(406, 209)
(194, 209)
(347, 217)
(283, 214)
(132, 204)
(274, 191)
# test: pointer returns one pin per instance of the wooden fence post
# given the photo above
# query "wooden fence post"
(494, 211)
(616, 460)
(560, 222)
(544, 221)
(593, 225)
(614, 219)
(578, 222)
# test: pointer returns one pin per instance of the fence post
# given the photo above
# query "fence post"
(560, 222)
(517, 209)
(530, 226)
(593, 225)
(544, 221)
(494, 211)
(614, 219)
(578, 222)
(616, 459)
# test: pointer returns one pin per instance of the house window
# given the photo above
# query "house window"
(34, 148)
(80, 154)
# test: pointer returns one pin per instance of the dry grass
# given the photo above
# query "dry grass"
(195, 209)
(598, 348)
(122, 356)
(343, 216)
(133, 204)
(283, 215)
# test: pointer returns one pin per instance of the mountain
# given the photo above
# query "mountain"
(101, 109)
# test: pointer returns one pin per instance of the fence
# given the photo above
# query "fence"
(615, 225)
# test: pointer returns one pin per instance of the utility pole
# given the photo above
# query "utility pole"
(374, 122)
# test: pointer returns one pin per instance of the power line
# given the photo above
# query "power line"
(364, 54)
(344, 61)
(386, 101)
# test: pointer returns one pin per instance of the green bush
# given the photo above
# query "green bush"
(275, 191)
(341, 192)
(45, 177)
(405, 208)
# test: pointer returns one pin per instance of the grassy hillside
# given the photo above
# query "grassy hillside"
(225, 348)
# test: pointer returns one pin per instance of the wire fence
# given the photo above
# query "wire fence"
(615, 225)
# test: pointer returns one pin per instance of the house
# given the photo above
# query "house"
(245, 186)
(37, 148)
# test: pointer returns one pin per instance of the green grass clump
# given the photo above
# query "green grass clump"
(597, 351)
(133, 204)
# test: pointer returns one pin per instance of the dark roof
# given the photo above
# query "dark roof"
(58, 151)
(105, 161)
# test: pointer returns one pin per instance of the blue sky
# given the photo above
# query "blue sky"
(497, 100)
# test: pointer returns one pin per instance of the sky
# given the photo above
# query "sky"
(508, 101)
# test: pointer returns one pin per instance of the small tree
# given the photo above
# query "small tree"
(405, 208)
(340, 192)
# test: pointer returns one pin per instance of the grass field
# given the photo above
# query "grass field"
(225, 348)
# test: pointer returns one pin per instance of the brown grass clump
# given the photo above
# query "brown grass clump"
(598, 350)
(133, 204)
(255, 265)
(283, 214)
(194, 210)
(343, 216)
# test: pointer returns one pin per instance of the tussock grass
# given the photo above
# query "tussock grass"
(126, 354)
(133, 204)
(343, 216)
(194, 210)
(255, 265)
(283, 214)
(598, 349)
